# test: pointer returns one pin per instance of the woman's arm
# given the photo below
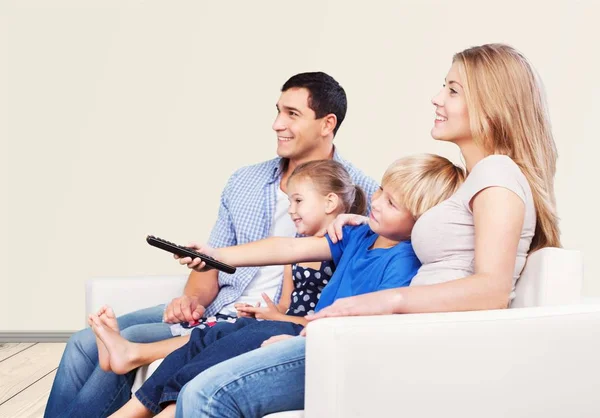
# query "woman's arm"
(498, 217)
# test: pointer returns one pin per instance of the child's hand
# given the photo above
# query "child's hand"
(267, 312)
(196, 263)
(243, 314)
(334, 229)
(276, 339)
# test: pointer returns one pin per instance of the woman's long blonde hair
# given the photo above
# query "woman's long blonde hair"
(508, 116)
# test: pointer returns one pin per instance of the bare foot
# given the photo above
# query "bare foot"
(122, 353)
(103, 356)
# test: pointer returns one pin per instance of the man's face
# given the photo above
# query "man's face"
(298, 131)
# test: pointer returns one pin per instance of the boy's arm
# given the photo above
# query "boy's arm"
(266, 252)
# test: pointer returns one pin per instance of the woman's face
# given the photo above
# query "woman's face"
(451, 113)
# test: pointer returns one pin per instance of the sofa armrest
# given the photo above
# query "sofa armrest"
(128, 294)
(529, 362)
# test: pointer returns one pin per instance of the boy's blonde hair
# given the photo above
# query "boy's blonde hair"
(422, 181)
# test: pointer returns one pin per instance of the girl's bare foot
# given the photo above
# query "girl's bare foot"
(123, 355)
(103, 356)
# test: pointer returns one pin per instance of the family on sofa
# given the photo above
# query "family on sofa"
(435, 240)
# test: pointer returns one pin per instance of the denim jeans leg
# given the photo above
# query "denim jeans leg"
(79, 379)
(151, 391)
(263, 381)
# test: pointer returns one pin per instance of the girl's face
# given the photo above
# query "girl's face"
(309, 209)
(451, 113)
(389, 218)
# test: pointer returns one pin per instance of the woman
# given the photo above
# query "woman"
(473, 246)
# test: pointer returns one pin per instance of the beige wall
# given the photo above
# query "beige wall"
(124, 118)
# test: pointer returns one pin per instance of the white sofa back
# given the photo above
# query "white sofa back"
(552, 276)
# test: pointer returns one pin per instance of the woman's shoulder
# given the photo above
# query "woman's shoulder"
(497, 163)
(496, 166)
(499, 171)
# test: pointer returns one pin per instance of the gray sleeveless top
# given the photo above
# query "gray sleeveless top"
(444, 237)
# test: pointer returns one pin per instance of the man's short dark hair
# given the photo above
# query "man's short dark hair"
(325, 95)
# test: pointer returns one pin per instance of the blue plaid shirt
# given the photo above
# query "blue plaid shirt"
(246, 214)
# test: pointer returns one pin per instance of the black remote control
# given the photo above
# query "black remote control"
(182, 251)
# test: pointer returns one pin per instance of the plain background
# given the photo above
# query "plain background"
(125, 118)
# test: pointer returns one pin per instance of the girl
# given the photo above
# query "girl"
(473, 245)
(319, 191)
(371, 257)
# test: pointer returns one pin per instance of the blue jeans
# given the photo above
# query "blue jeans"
(81, 387)
(206, 348)
(261, 382)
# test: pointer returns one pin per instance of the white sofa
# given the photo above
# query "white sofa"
(541, 358)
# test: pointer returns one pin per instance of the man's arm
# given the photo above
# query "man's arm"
(202, 288)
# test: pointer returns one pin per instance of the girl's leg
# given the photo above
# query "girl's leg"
(126, 355)
(168, 412)
(214, 349)
(133, 409)
(152, 391)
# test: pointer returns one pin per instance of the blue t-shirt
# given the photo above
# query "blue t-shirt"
(360, 270)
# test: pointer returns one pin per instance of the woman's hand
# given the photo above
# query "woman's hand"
(276, 339)
(197, 264)
(384, 302)
(334, 229)
(266, 312)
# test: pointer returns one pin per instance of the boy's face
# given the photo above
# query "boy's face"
(299, 133)
(389, 218)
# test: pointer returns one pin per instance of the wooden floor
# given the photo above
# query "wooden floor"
(26, 374)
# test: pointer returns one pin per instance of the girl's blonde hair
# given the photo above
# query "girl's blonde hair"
(329, 176)
(422, 181)
(508, 116)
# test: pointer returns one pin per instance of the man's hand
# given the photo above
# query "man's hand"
(276, 339)
(334, 229)
(267, 312)
(183, 309)
(197, 264)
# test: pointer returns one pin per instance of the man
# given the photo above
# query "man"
(310, 110)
